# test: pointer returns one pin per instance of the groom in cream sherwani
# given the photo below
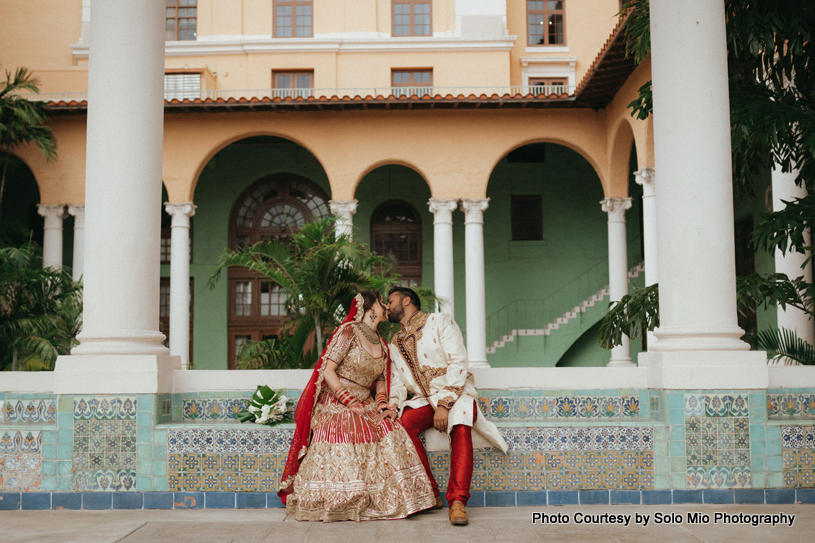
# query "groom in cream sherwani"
(431, 385)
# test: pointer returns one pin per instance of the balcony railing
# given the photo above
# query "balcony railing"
(559, 92)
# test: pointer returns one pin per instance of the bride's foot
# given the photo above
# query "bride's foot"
(439, 504)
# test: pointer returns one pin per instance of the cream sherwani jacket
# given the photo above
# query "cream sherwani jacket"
(429, 366)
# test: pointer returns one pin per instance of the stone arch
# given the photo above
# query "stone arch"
(186, 193)
(619, 159)
(391, 162)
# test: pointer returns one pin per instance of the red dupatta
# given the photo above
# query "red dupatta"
(305, 405)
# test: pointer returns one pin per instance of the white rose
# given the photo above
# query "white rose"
(253, 409)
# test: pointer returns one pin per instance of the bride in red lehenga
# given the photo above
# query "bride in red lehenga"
(348, 460)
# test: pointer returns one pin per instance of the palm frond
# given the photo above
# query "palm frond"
(783, 343)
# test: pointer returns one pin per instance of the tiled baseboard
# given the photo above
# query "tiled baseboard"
(10, 501)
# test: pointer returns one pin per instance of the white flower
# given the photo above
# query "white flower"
(253, 409)
(265, 410)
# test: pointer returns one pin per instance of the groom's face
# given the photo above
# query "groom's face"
(396, 310)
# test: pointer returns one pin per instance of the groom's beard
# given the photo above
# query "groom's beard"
(396, 316)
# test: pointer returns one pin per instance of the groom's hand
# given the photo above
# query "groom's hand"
(440, 419)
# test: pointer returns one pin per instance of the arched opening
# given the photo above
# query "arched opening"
(393, 219)
(546, 254)
(19, 220)
(274, 207)
(396, 231)
(256, 188)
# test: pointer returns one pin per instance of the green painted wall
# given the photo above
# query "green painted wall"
(224, 178)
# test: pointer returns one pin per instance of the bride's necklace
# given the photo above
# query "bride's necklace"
(369, 333)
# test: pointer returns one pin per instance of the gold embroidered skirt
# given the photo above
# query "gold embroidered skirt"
(356, 469)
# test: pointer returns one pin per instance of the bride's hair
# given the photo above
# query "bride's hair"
(369, 298)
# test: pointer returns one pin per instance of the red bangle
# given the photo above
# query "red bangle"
(381, 398)
(344, 397)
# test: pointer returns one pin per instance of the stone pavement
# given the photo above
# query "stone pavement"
(511, 524)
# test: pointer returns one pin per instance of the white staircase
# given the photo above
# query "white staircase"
(599, 296)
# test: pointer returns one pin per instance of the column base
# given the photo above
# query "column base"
(118, 342)
(706, 369)
(621, 363)
(478, 364)
(115, 374)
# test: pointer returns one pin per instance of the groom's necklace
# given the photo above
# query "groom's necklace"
(369, 333)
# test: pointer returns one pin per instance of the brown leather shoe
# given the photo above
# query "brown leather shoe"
(439, 504)
(458, 516)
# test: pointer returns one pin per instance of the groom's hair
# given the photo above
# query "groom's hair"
(407, 293)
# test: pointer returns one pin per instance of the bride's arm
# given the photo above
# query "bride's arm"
(330, 376)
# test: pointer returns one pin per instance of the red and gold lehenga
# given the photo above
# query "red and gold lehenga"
(349, 467)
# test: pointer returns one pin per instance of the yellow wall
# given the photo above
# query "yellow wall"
(37, 34)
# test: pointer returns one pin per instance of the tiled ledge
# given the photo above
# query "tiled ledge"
(10, 501)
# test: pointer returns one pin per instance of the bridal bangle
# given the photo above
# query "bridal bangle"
(344, 397)
(381, 398)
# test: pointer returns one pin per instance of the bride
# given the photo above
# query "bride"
(350, 458)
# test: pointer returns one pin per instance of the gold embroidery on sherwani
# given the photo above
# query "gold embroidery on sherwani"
(406, 341)
(455, 390)
(447, 402)
(431, 373)
(356, 468)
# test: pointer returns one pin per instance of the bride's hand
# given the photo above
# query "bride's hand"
(357, 408)
(387, 406)
(387, 413)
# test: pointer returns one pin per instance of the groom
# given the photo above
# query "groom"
(429, 363)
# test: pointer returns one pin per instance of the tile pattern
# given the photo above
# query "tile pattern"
(27, 412)
(553, 470)
(20, 460)
(798, 456)
(791, 406)
(548, 408)
(626, 438)
(233, 440)
(212, 408)
(717, 441)
(104, 443)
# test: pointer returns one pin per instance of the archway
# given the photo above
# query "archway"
(252, 189)
(19, 220)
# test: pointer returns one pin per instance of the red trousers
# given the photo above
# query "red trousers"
(417, 421)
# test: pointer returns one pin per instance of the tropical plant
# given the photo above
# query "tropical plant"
(772, 111)
(40, 310)
(782, 345)
(268, 407)
(319, 273)
(22, 120)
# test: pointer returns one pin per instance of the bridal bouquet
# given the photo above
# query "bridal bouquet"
(269, 407)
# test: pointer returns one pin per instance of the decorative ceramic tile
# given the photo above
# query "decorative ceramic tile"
(104, 448)
(220, 440)
(784, 406)
(27, 412)
(567, 470)
(633, 438)
(717, 441)
(798, 456)
(20, 461)
(232, 472)
(212, 408)
(540, 408)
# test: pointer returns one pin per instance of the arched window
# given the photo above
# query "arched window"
(274, 207)
(396, 231)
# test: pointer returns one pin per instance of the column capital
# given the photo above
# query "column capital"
(78, 213)
(53, 213)
(615, 207)
(473, 209)
(647, 178)
(442, 210)
(343, 208)
(180, 212)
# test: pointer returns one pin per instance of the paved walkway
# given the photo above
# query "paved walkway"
(511, 524)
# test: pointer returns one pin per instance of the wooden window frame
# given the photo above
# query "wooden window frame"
(177, 6)
(537, 198)
(412, 84)
(293, 4)
(412, 18)
(294, 92)
(408, 270)
(545, 12)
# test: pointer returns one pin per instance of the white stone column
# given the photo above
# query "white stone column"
(52, 235)
(647, 179)
(791, 263)
(443, 266)
(474, 280)
(78, 213)
(618, 269)
(120, 348)
(699, 338)
(344, 210)
(180, 280)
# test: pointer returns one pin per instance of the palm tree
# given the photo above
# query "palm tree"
(320, 274)
(40, 310)
(21, 120)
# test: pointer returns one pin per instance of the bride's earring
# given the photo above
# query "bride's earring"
(373, 317)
